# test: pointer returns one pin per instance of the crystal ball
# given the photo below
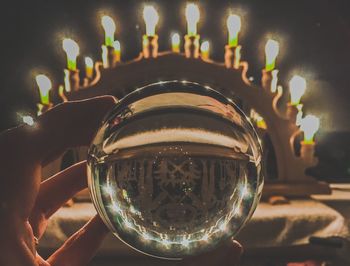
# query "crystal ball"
(175, 169)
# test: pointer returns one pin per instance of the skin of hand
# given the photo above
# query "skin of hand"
(27, 203)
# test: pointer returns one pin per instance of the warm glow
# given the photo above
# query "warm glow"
(44, 84)
(192, 17)
(175, 42)
(72, 50)
(150, 15)
(297, 87)
(27, 119)
(233, 26)
(205, 47)
(109, 28)
(116, 46)
(271, 52)
(89, 64)
(309, 125)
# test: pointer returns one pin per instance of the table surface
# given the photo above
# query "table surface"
(271, 226)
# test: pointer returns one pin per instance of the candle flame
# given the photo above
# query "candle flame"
(234, 27)
(151, 18)
(309, 125)
(271, 52)
(72, 50)
(297, 87)
(175, 42)
(109, 28)
(192, 17)
(116, 46)
(44, 84)
(89, 63)
(205, 47)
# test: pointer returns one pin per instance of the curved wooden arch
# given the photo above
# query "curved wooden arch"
(125, 77)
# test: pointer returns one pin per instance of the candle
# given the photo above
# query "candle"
(116, 46)
(151, 19)
(205, 49)
(309, 125)
(89, 67)
(271, 52)
(175, 43)
(44, 84)
(297, 87)
(192, 17)
(72, 50)
(274, 80)
(109, 28)
(233, 26)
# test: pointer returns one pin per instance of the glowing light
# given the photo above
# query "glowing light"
(151, 18)
(205, 49)
(309, 125)
(116, 46)
(299, 116)
(205, 237)
(72, 50)
(234, 27)
(297, 87)
(165, 242)
(185, 242)
(244, 191)
(89, 66)
(27, 119)
(192, 17)
(175, 42)
(109, 28)
(222, 226)
(105, 56)
(271, 52)
(44, 84)
(146, 236)
(274, 80)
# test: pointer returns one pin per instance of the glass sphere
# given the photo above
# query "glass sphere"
(175, 169)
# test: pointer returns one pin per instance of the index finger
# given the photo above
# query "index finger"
(68, 125)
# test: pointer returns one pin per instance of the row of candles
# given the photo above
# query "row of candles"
(111, 56)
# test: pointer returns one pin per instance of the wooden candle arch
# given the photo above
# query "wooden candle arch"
(125, 77)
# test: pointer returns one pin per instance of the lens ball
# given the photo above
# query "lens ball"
(175, 169)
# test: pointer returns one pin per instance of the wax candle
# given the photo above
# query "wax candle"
(192, 17)
(151, 18)
(72, 50)
(271, 52)
(234, 27)
(44, 85)
(175, 43)
(309, 125)
(109, 28)
(89, 67)
(297, 87)
(299, 114)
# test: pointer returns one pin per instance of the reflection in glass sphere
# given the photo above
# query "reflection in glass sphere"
(175, 169)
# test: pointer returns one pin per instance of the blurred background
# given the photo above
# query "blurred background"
(314, 41)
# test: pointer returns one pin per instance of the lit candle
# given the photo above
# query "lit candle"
(72, 50)
(151, 19)
(271, 52)
(109, 28)
(274, 80)
(192, 17)
(44, 84)
(89, 67)
(297, 87)
(175, 43)
(309, 125)
(233, 26)
(205, 49)
(116, 46)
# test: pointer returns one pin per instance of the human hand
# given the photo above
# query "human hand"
(26, 203)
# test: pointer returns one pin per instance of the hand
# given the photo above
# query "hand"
(26, 203)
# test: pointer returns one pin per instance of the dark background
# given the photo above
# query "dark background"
(314, 40)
